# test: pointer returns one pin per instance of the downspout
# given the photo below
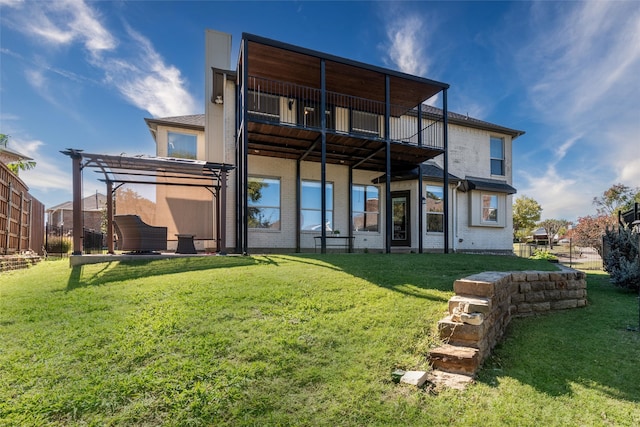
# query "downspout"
(455, 216)
(420, 187)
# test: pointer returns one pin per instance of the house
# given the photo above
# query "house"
(7, 155)
(302, 151)
(321, 143)
(60, 217)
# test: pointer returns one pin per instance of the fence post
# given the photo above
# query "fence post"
(9, 201)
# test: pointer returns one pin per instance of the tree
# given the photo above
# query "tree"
(617, 198)
(18, 165)
(589, 230)
(526, 212)
(553, 227)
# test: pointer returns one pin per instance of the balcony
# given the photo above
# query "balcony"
(283, 99)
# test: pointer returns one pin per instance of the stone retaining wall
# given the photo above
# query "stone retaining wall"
(8, 263)
(493, 299)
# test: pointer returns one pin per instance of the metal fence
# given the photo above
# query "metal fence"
(58, 242)
(567, 253)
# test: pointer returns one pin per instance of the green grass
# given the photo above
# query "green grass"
(296, 340)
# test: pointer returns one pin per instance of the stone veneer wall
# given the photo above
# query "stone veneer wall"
(500, 297)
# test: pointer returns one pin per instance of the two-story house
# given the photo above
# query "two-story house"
(300, 150)
(324, 145)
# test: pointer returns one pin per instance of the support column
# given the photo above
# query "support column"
(110, 248)
(323, 161)
(445, 137)
(298, 204)
(222, 213)
(388, 204)
(76, 166)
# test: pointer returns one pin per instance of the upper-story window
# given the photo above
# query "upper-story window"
(311, 212)
(497, 156)
(435, 208)
(264, 203)
(182, 145)
(366, 207)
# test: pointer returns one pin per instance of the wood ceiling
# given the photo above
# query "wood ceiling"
(302, 67)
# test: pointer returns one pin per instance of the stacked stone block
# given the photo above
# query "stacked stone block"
(8, 263)
(499, 297)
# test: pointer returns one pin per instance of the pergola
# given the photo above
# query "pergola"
(117, 170)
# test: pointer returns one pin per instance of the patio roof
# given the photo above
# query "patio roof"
(144, 169)
(121, 169)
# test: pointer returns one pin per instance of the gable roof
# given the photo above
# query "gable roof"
(462, 120)
(193, 121)
(12, 155)
(94, 202)
(430, 171)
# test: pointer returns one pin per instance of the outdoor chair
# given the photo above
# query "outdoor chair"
(135, 235)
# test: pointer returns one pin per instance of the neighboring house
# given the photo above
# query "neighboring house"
(297, 124)
(61, 216)
(7, 155)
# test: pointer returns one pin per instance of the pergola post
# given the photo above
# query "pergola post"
(110, 248)
(76, 176)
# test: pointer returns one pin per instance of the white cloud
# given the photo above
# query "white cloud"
(581, 67)
(47, 174)
(406, 46)
(65, 21)
(148, 83)
(131, 65)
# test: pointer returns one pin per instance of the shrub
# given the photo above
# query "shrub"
(621, 257)
(58, 245)
(543, 254)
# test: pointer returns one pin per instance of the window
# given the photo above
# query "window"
(263, 196)
(311, 212)
(489, 208)
(182, 145)
(435, 209)
(367, 123)
(365, 208)
(497, 156)
(264, 105)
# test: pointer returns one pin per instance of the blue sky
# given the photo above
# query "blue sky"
(78, 74)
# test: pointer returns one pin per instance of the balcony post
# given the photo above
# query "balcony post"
(243, 177)
(323, 161)
(445, 138)
(388, 204)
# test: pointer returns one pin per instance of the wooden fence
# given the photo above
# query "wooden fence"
(21, 216)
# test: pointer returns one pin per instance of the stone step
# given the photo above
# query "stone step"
(460, 332)
(455, 359)
(449, 380)
(473, 304)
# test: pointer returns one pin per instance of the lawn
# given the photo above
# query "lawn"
(296, 340)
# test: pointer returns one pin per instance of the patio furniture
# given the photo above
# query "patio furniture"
(135, 235)
(185, 244)
(335, 240)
